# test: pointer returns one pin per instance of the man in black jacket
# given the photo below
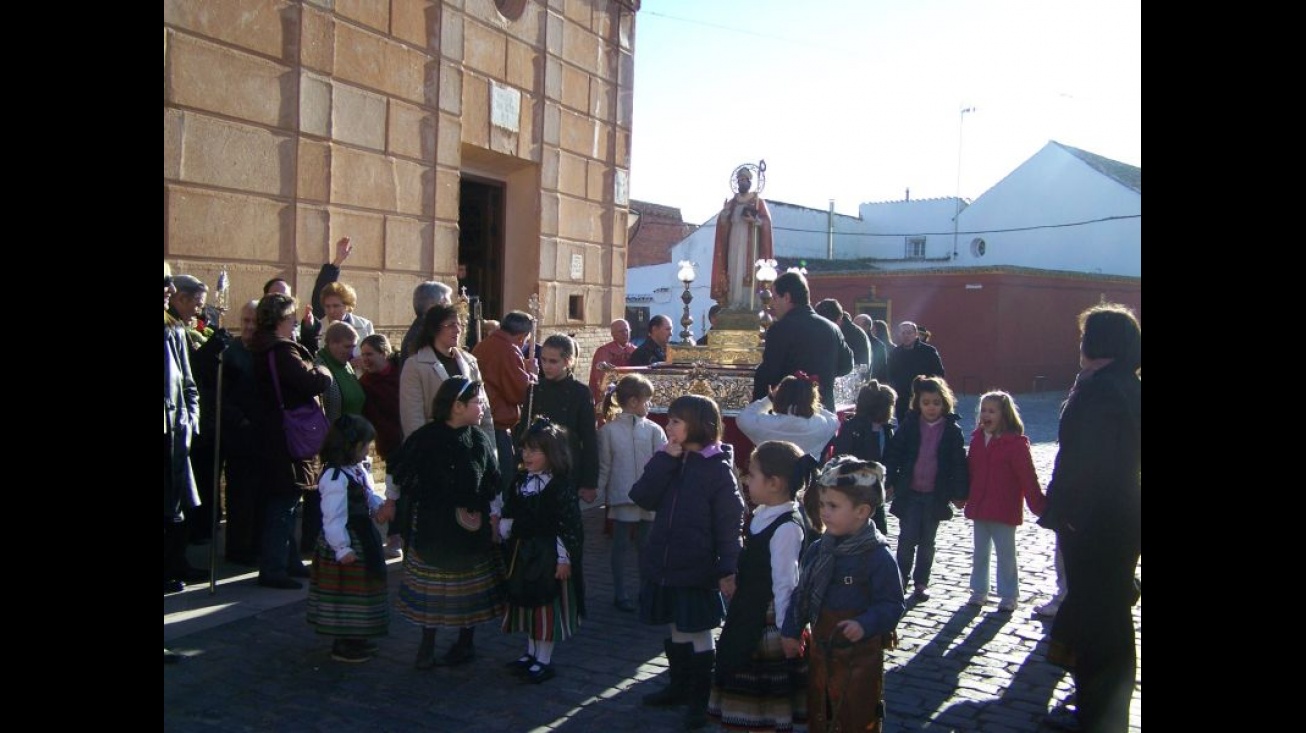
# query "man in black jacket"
(801, 340)
(909, 359)
(654, 348)
(832, 311)
(879, 349)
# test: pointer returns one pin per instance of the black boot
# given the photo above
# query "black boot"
(698, 688)
(677, 660)
(461, 652)
(426, 650)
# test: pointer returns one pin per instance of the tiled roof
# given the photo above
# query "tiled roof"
(1129, 176)
(657, 210)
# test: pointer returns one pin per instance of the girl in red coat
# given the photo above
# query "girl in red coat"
(1001, 475)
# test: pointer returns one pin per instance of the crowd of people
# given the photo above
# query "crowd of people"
(489, 454)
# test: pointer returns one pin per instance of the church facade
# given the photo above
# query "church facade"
(483, 143)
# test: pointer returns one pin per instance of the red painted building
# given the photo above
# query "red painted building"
(1010, 328)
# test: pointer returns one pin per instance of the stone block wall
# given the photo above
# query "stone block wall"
(291, 123)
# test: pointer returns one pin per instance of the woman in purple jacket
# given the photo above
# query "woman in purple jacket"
(689, 563)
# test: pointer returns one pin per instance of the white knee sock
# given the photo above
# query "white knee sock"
(702, 640)
(543, 651)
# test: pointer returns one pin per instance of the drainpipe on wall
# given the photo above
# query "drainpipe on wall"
(829, 233)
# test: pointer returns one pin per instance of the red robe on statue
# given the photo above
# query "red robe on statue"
(726, 220)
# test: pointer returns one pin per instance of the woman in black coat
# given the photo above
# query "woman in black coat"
(1095, 507)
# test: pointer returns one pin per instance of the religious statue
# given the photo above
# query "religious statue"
(743, 236)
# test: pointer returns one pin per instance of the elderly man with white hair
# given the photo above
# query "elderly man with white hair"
(425, 295)
(615, 353)
(909, 359)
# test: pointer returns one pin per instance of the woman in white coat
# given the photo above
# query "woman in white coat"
(437, 359)
(792, 412)
(626, 443)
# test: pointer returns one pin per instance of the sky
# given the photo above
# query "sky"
(860, 100)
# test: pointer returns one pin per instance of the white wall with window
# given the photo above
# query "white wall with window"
(1057, 211)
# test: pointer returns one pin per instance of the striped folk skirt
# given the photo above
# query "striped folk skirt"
(554, 621)
(431, 596)
(770, 694)
(346, 600)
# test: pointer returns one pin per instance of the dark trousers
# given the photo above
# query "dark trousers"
(880, 520)
(310, 523)
(199, 521)
(245, 513)
(507, 459)
(174, 549)
(278, 553)
(1101, 594)
(917, 527)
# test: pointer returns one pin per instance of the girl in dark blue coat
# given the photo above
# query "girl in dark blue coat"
(693, 549)
(925, 469)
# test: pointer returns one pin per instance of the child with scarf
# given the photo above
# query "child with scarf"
(850, 594)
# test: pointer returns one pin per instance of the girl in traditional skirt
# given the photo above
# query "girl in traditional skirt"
(757, 688)
(448, 481)
(347, 592)
(541, 524)
(850, 594)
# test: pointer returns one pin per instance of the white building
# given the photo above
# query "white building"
(1064, 210)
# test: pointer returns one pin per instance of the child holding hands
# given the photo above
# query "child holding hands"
(347, 595)
(1001, 475)
(925, 469)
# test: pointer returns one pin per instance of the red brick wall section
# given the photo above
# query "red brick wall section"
(660, 228)
(1013, 329)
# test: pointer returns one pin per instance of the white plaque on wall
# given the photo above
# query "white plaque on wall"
(505, 107)
(577, 267)
(621, 188)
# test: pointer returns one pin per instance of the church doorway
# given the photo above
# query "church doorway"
(480, 244)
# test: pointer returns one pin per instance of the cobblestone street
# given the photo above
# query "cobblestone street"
(254, 664)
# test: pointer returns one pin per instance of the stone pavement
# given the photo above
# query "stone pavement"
(254, 664)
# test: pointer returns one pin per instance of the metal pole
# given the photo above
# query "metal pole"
(217, 488)
(957, 214)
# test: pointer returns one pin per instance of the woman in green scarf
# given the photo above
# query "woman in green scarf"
(345, 395)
